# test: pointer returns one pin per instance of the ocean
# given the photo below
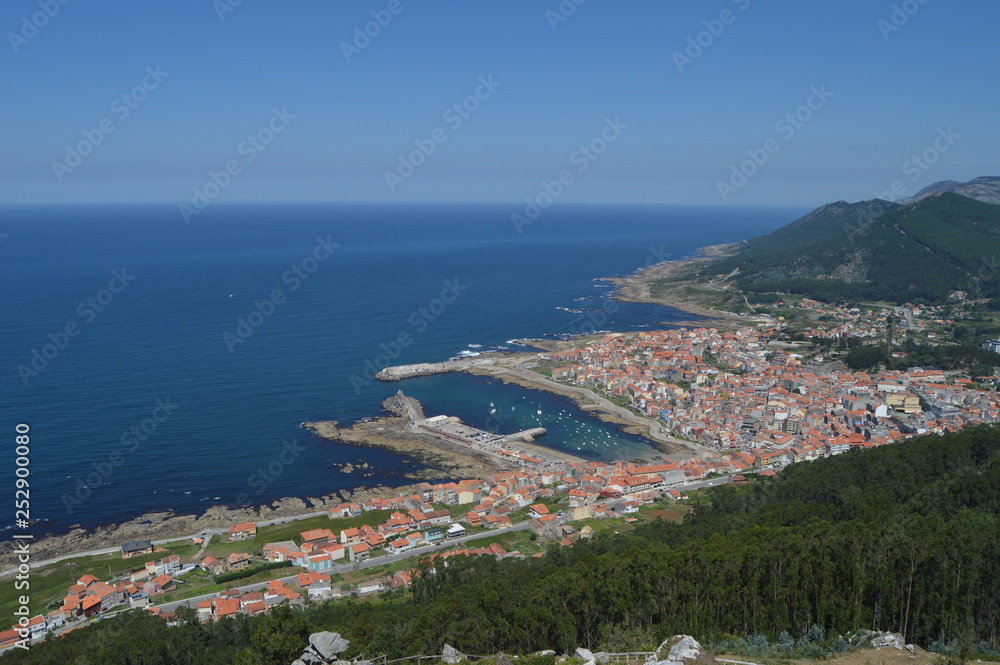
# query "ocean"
(163, 365)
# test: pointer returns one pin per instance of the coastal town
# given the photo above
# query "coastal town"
(757, 402)
(434, 517)
(746, 400)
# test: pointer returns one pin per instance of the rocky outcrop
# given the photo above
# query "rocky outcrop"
(324, 649)
(451, 655)
(681, 650)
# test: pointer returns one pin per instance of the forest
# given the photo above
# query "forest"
(901, 538)
(921, 253)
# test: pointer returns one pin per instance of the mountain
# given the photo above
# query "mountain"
(921, 252)
(985, 189)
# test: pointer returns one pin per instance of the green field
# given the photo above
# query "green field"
(199, 583)
(50, 583)
(291, 530)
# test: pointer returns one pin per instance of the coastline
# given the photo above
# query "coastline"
(441, 462)
(638, 288)
(662, 444)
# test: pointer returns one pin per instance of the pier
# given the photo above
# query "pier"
(400, 372)
(517, 448)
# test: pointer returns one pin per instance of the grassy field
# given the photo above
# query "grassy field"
(221, 548)
(50, 583)
(199, 583)
(291, 530)
(672, 512)
(511, 540)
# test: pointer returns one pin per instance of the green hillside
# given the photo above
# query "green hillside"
(918, 253)
(901, 538)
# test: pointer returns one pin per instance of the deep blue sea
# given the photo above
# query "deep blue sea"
(163, 365)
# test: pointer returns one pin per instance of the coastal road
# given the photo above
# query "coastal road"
(444, 546)
(628, 414)
(207, 533)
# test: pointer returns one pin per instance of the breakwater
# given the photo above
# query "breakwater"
(400, 372)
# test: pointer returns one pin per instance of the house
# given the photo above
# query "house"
(256, 607)
(347, 536)
(226, 607)
(238, 560)
(455, 531)
(138, 600)
(538, 510)
(398, 545)
(372, 586)
(243, 531)
(212, 565)
(401, 579)
(165, 582)
(169, 565)
(136, 548)
(9, 638)
(91, 605)
(359, 551)
(334, 550)
(319, 562)
(314, 536)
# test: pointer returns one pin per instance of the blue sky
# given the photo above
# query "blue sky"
(891, 91)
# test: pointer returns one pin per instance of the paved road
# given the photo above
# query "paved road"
(208, 533)
(350, 567)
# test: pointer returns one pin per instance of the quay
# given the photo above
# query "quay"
(400, 372)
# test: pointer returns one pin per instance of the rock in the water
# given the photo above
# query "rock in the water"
(451, 655)
(585, 654)
(327, 645)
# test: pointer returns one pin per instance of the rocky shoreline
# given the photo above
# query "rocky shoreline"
(444, 460)
(637, 288)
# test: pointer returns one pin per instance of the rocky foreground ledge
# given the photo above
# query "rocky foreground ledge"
(325, 649)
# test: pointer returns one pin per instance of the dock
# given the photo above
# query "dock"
(401, 372)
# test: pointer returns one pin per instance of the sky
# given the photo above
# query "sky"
(736, 102)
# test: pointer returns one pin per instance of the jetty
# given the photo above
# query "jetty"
(401, 372)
